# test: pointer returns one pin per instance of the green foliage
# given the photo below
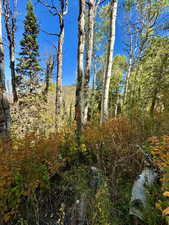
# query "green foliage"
(154, 70)
(117, 83)
(152, 214)
(149, 81)
(101, 206)
(80, 180)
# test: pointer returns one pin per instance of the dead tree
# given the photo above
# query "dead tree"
(60, 13)
(10, 25)
(4, 104)
(49, 70)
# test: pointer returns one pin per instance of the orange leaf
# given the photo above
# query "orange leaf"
(7, 217)
(166, 211)
(166, 193)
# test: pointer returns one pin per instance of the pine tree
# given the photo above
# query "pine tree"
(28, 67)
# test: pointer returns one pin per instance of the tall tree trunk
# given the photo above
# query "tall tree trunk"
(2, 67)
(13, 74)
(10, 24)
(80, 67)
(49, 70)
(91, 18)
(59, 72)
(61, 12)
(105, 92)
(4, 104)
(117, 104)
(93, 95)
(127, 82)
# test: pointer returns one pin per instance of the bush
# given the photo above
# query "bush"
(27, 164)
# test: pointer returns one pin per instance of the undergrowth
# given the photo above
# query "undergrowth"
(43, 178)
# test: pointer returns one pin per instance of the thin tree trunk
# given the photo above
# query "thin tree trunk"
(117, 104)
(49, 69)
(10, 24)
(93, 102)
(59, 72)
(80, 67)
(53, 9)
(13, 74)
(2, 67)
(105, 92)
(127, 81)
(91, 18)
(4, 104)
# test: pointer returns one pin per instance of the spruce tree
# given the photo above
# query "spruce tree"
(28, 67)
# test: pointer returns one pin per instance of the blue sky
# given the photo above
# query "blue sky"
(49, 23)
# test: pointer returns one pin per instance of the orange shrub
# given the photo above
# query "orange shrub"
(114, 145)
(26, 164)
(160, 150)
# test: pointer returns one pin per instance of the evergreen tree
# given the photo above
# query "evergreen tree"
(28, 67)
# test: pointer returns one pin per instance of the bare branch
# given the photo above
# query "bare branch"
(101, 2)
(52, 8)
(48, 33)
(66, 7)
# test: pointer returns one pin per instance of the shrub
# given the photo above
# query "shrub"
(159, 147)
(27, 164)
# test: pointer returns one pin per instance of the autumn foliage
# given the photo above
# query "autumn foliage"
(28, 163)
(159, 147)
(25, 165)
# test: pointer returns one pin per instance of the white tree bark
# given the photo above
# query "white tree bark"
(4, 104)
(91, 19)
(59, 72)
(105, 91)
(80, 67)
(59, 92)
(117, 105)
(10, 25)
(129, 69)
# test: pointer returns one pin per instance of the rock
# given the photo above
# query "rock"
(138, 197)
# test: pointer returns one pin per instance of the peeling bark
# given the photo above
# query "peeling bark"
(91, 19)
(49, 70)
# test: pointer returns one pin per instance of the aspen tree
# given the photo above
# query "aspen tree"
(107, 77)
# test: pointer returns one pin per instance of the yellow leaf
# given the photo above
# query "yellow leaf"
(166, 211)
(158, 206)
(166, 193)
